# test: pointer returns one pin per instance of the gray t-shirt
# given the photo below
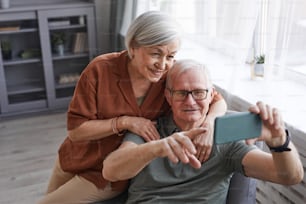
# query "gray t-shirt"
(163, 182)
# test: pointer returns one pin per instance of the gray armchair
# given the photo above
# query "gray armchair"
(242, 190)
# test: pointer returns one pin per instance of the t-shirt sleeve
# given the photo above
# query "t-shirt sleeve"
(131, 137)
(236, 153)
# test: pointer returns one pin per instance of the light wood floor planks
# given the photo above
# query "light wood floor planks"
(28, 147)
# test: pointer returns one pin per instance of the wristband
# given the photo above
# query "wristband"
(284, 147)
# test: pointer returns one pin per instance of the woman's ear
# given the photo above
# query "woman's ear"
(131, 51)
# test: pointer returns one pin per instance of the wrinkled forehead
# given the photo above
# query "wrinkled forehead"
(196, 77)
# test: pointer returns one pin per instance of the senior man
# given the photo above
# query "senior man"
(168, 171)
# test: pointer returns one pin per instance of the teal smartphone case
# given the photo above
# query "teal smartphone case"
(237, 126)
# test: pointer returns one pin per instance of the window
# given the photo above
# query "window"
(225, 34)
(223, 25)
(296, 59)
(242, 29)
(183, 11)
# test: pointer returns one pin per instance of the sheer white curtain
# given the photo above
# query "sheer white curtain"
(285, 37)
(128, 15)
(134, 8)
(225, 26)
(281, 17)
(230, 26)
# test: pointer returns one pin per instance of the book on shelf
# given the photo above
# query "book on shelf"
(80, 42)
(9, 28)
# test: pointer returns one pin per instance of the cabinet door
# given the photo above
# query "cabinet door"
(22, 84)
(68, 41)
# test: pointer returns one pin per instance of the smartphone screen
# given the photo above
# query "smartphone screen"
(237, 126)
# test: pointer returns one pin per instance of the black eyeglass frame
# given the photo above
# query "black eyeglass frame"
(186, 93)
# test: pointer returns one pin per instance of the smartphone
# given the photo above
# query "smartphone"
(237, 126)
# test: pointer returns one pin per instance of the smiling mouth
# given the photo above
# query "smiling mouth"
(190, 110)
(157, 72)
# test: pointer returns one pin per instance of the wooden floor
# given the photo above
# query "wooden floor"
(28, 147)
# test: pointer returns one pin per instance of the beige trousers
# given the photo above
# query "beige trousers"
(67, 188)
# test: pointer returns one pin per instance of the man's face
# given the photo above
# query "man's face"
(190, 111)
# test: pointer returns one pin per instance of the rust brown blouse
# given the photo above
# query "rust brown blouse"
(104, 91)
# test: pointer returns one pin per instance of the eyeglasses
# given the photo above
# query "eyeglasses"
(197, 94)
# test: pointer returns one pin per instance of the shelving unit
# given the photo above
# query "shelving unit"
(35, 77)
(22, 80)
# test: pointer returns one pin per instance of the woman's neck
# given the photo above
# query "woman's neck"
(139, 83)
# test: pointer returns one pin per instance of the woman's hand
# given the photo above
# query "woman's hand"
(140, 126)
(204, 141)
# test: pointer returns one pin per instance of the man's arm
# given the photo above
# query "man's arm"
(283, 168)
(127, 161)
(279, 167)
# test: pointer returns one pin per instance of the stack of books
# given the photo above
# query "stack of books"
(80, 42)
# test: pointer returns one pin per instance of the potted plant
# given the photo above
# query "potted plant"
(260, 59)
(6, 50)
(58, 42)
(258, 68)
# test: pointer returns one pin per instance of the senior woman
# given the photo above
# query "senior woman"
(117, 92)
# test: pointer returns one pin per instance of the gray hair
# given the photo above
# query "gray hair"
(182, 66)
(150, 29)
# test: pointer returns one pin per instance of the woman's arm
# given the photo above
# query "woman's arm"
(98, 129)
(91, 130)
(204, 142)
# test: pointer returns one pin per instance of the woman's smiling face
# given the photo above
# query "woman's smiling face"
(153, 62)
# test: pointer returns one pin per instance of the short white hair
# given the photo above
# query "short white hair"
(181, 66)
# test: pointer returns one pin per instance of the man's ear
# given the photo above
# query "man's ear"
(212, 94)
(168, 96)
